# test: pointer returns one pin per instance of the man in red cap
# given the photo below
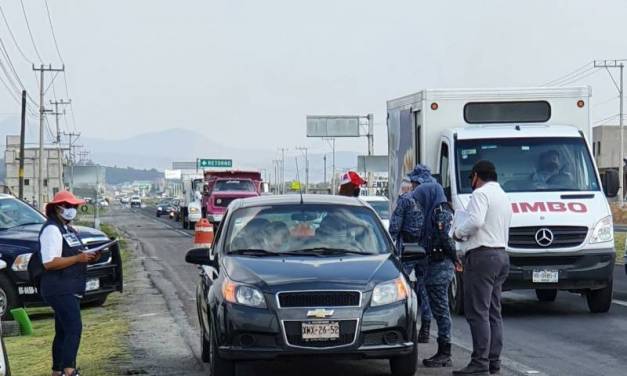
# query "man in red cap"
(350, 184)
(63, 282)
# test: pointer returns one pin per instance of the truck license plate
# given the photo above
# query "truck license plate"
(92, 284)
(328, 330)
(545, 276)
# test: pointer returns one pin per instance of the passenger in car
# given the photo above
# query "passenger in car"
(277, 236)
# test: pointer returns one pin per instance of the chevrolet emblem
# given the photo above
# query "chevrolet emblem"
(320, 313)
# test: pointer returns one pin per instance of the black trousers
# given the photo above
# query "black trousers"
(68, 329)
(485, 271)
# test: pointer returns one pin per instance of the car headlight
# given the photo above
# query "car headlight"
(390, 292)
(603, 231)
(193, 210)
(160, 208)
(21, 262)
(242, 294)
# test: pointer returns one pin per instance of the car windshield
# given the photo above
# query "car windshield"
(15, 213)
(381, 207)
(306, 228)
(530, 164)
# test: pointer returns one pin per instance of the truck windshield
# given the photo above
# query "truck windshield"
(530, 164)
(234, 185)
(15, 213)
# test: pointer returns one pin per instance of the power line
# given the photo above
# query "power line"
(575, 79)
(54, 36)
(32, 39)
(17, 45)
(8, 58)
(574, 72)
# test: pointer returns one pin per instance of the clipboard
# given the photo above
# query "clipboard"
(100, 247)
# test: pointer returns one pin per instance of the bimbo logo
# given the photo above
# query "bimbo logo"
(549, 207)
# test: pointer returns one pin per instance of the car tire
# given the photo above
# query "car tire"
(8, 297)
(406, 365)
(218, 366)
(158, 215)
(600, 301)
(7, 367)
(546, 295)
(205, 347)
(97, 302)
(456, 294)
(185, 224)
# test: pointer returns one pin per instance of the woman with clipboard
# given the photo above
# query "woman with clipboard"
(62, 284)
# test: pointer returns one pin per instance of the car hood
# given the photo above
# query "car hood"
(272, 274)
(26, 238)
(235, 194)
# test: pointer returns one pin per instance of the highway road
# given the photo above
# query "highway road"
(559, 338)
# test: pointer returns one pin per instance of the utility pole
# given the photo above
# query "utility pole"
(370, 147)
(306, 167)
(283, 170)
(22, 140)
(324, 159)
(56, 114)
(607, 64)
(75, 136)
(42, 113)
(333, 187)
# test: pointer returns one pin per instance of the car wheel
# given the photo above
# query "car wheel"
(599, 301)
(6, 367)
(406, 365)
(456, 294)
(158, 215)
(205, 347)
(546, 295)
(8, 297)
(218, 366)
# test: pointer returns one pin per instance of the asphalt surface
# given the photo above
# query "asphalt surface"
(559, 338)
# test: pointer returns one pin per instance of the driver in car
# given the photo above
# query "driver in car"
(549, 166)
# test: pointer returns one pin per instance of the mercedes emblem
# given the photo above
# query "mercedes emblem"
(544, 237)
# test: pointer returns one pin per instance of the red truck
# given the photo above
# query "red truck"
(223, 187)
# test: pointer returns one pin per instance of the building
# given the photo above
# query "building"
(52, 172)
(606, 145)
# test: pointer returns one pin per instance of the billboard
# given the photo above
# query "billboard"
(372, 163)
(172, 174)
(184, 165)
(333, 126)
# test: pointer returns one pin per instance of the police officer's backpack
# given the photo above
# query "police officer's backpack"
(442, 246)
(36, 268)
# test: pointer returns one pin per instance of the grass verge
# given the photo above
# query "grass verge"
(104, 346)
(619, 245)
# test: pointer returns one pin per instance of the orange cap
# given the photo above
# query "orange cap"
(66, 197)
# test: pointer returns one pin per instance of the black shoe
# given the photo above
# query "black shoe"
(495, 367)
(471, 369)
(442, 358)
(423, 335)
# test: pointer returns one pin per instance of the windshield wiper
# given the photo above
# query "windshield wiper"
(326, 251)
(25, 224)
(252, 252)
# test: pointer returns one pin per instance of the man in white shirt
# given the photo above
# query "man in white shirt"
(484, 233)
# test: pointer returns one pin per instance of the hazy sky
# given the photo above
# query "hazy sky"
(249, 71)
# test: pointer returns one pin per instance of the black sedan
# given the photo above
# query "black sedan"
(312, 276)
(164, 207)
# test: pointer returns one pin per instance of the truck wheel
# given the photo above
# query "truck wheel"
(456, 294)
(406, 365)
(546, 295)
(599, 301)
(185, 223)
(8, 297)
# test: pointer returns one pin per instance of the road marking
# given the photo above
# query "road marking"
(620, 302)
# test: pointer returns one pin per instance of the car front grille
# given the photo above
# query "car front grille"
(563, 236)
(305, 299)
(293, 335)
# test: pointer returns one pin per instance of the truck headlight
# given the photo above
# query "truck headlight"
(603, 231)
(193, 210)
(390, 292)
(21, 262)
(160, 208)
(242, 294)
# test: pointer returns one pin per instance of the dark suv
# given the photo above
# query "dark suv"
(19, 238)
(311, 276)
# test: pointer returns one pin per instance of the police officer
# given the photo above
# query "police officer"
(63, 282)
(406, 219)
(438, 273)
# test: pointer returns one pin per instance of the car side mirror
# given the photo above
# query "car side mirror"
(199, 256)
(610, 182)
(412, 252)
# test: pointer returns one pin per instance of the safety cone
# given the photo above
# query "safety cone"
(203, 233)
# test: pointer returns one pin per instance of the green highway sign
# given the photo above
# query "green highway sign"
(204, 163)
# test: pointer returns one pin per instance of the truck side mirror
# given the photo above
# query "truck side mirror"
(610, 183)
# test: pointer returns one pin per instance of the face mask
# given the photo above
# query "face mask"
(68, 213)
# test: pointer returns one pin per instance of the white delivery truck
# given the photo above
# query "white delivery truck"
(191, 202)
(561, 234)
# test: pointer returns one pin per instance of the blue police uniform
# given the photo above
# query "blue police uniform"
(62, 290)
(406, 224)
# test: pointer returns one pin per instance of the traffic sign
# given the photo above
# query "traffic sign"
(205, 163)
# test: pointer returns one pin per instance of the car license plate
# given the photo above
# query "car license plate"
(92, 284)
(320, 331)
(545, 276)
